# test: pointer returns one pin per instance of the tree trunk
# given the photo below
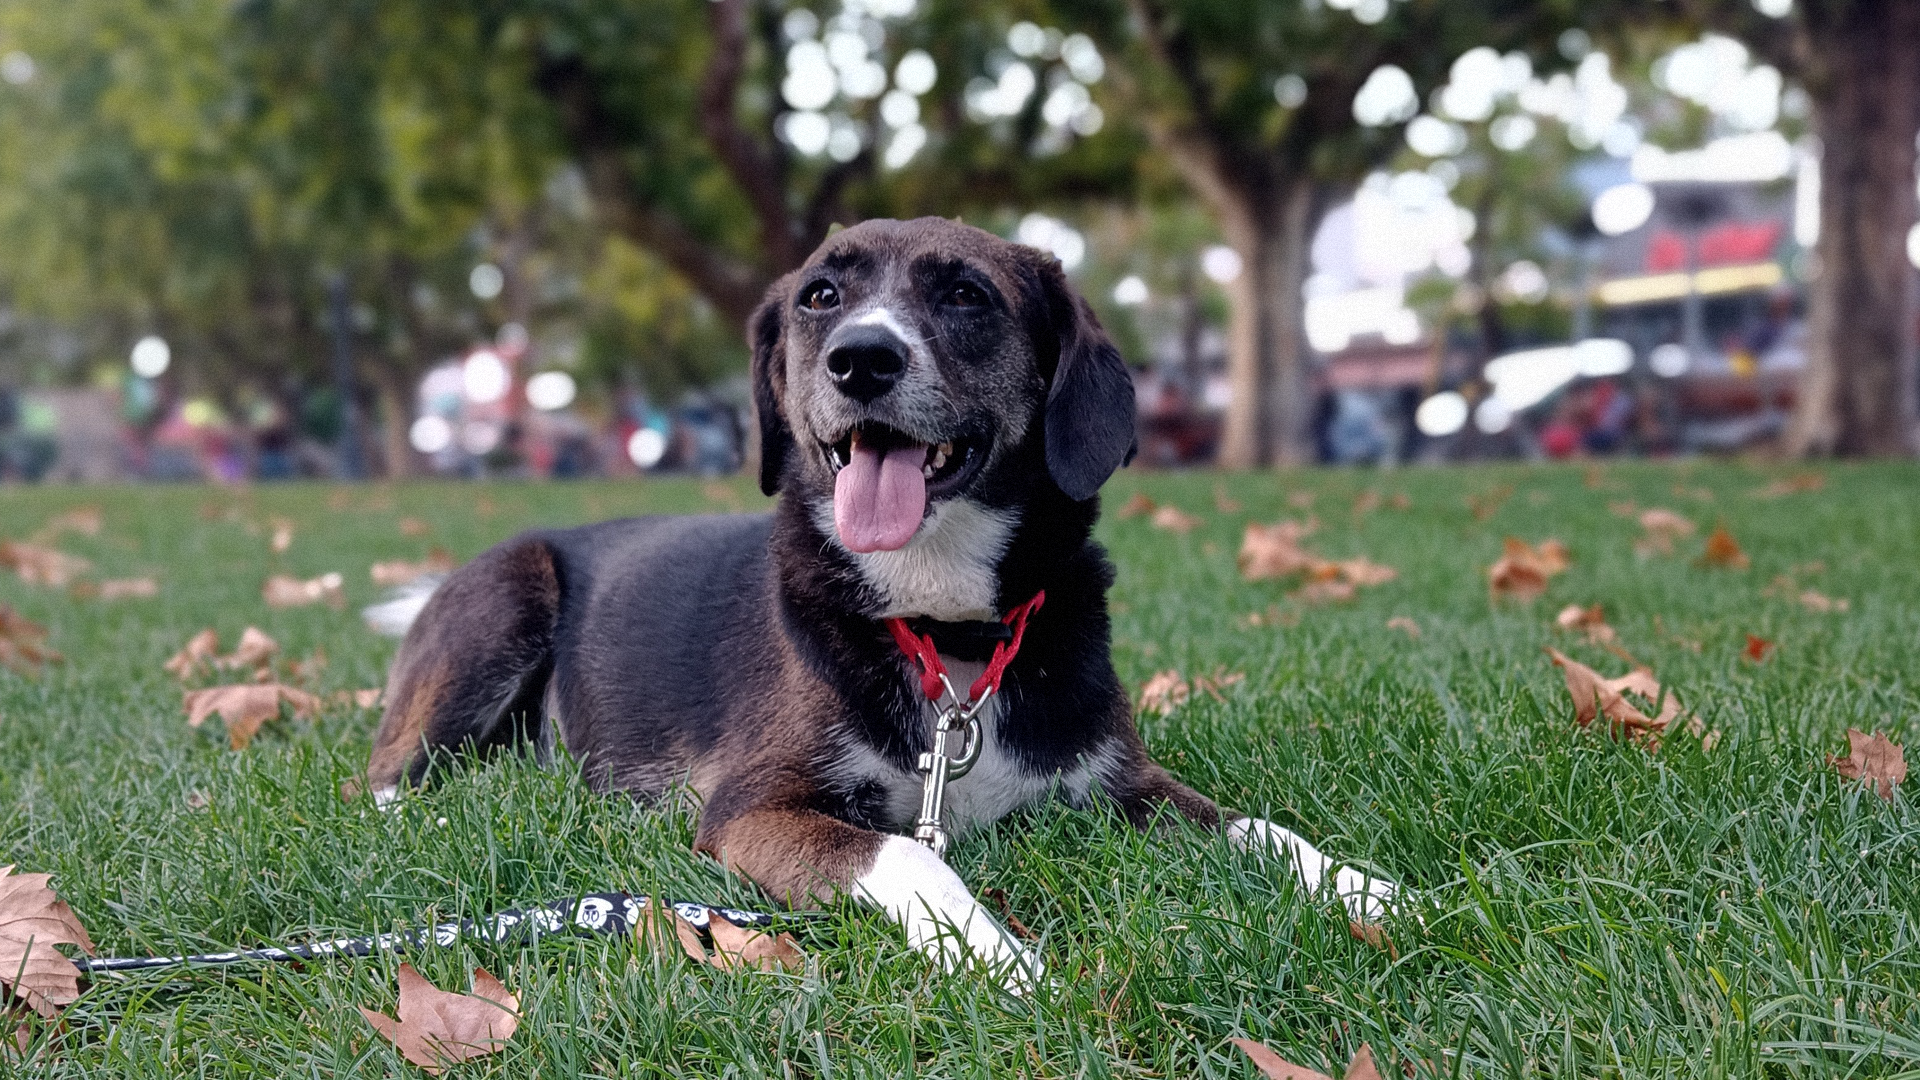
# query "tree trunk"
(1269, 418)
(396, 421)
(1857, 395)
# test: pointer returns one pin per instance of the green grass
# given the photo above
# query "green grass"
(1589, 909)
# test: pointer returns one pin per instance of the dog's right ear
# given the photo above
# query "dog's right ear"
(766, 333)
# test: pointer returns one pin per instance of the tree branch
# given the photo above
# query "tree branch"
(759, 174)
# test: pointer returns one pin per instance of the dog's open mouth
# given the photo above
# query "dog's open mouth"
(883, 480)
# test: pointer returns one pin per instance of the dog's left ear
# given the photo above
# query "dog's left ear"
(765, 334)
(1090, 411)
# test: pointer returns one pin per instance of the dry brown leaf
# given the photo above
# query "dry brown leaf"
(306, 672)
(1487, 503)
(283, 591)
(1372, 934)
(438, 1028)
(413, 526)
(1363, 571)
(32, 921)
(1223, 502)
(399, 571)
(1174, 519)
(282, 535)
(139, 588)
(1274, 1067)
(198, 652)
(660, 925)
(246, 707)
(1595, 695)
(1219, 681)
(1137, 506)
(736, 947)
(1814, 600)
(1366, 503)
(1724, 551)
(255, 651)
(23, 643)
(1273, 551)
(83, 520)
(1873, 758)
(359, 699)
(1163, 693)
(1405, 625)
(40, 565)
(1591, 621)
(1523, 570)
(1758, 648)
(1791, 485)
(1324, 589)
(1660, 529)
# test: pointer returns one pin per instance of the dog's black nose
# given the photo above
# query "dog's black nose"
(866, 361)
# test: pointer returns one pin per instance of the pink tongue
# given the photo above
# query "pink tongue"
(878, 502)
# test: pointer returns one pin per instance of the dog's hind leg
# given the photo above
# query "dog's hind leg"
(473, 670)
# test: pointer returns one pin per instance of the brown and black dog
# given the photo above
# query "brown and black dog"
(938, 411)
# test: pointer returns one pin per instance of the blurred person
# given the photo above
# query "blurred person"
(1561, 436)
(1610, 411)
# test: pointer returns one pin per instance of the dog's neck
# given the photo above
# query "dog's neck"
(948, 572)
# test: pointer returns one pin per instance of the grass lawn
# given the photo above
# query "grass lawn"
(1590, 909)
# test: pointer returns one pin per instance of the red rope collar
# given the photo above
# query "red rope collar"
(919, 649)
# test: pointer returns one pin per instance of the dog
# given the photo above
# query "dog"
(937, 410)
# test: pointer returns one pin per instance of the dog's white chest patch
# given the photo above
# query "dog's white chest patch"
(948, 571)
(997, 785)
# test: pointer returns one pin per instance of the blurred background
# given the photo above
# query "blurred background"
(268, 239)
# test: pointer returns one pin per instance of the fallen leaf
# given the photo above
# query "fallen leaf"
(660, 925)
(23, 643)
(1487, 503)
(1220, 680)
(1012, 921)
(1274, 1067)
(1595, 696)
(1362, 571)
(1814, 600)
(737, 947)
(1523, 570)
(1401, 501)
(1660, 529)
(1223, 502)
(199, 651)
(1163, 693)
(1327, 588)
(306, 672)
(1373, 934)
(359, 699)
(413, 526)
(399, 571)
(32, 921)
(1791, 485)
(437, 1028)
(1405, 625)
(1724, 551)
(83, 520)
(1874, 758)
(1758, 648)
(1137, 506)
(246, 707)
(140, 588)
(255, 651)
(1366, 503)
(1173, 519)
(1273, 551)
(283, 591)
(198, 799)
(40, 565)
(282, 535)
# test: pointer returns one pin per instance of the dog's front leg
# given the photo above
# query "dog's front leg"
(1366, 897)
(803, 856)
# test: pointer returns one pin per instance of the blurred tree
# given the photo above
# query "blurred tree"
(1256, 105)
(1859, 61)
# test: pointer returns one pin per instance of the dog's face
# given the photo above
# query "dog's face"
(912, 364)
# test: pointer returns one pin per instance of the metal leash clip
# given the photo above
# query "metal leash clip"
(938, 765)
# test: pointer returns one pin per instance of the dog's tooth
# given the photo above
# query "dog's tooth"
(926, 471)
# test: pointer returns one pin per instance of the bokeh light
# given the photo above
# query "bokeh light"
(430, 434)
(1441, 415)
(151, 357)
(551, 390)
(646, 447)
(484, 377)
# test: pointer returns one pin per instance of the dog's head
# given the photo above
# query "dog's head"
(909, 364)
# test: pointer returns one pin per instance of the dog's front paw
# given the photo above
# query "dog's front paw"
(1367, 898)
(942, 919)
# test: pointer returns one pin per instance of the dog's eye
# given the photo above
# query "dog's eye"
(820, 296)
(968, 295)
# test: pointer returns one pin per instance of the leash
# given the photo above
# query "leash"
(609, 914)
(958, 717)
